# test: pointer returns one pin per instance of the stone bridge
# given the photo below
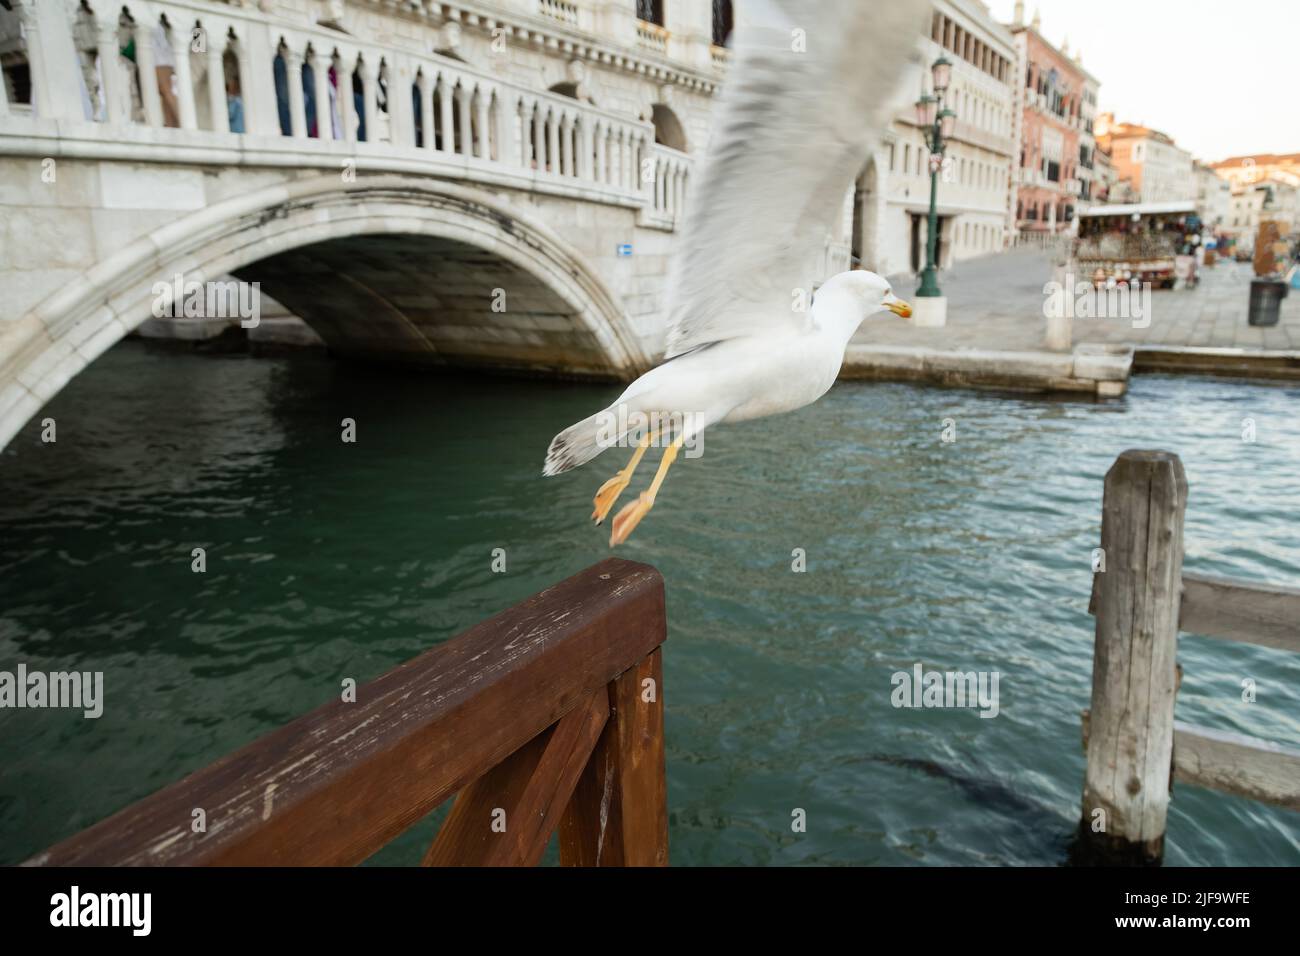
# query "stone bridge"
(410, 198)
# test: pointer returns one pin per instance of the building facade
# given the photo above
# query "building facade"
(1055, 109)
(1213, 197)
(1153, 164)
(1248, 170)
(891, 199)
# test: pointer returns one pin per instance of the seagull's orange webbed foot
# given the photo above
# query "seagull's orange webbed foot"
(607, 495)
(627, 519)
(610, 490)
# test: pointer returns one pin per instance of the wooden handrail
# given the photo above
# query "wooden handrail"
(1236, 611)
(1231, 763)
(553, 708)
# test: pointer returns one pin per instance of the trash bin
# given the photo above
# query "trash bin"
(1266, 297)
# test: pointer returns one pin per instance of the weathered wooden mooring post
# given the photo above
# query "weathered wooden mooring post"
(1135, 596)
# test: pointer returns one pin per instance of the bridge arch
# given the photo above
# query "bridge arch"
(501, 289)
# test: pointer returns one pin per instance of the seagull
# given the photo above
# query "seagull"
(811, 89)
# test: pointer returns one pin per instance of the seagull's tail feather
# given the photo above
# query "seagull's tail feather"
(576, 445)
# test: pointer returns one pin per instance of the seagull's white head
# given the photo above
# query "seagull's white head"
(870, 291)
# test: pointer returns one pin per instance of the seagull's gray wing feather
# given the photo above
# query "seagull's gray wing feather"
(792, 129)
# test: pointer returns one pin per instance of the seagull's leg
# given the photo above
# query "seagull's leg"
(611, 489)
(634, 511)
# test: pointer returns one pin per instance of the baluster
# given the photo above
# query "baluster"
(484, 147)
(216, 68)
(629, 163)
(180, 44)
(507, 111)
(552, 140)
(644, 163)
(320, 76)
(566, 144)
(539, 136)
(426, 109)
(401, 105)
(41, 95)
(297, 104)
(144, 66)
(446, 124)
(254, 121)
(463, 123)
(616, 161)
(661, 173)
(585, 147)
(370, 98)
(347, 97)
(116, 98)
(602, 154)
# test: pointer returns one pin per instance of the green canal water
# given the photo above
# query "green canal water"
(328, 560)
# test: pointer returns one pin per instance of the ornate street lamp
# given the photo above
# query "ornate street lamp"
(938, 124)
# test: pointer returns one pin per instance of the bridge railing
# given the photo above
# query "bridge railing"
(234, 71)
(546, 717)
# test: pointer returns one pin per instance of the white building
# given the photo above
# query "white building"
(1213, 197)
(892, 195)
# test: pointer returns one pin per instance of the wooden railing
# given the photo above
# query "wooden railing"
(1141, 599)
(547, 716)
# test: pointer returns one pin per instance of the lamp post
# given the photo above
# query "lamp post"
(937, 122)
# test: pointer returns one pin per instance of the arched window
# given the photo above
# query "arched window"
(722, 22)
(668, 128)
(651, 11)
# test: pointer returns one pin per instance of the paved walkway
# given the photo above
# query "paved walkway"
(996, 302)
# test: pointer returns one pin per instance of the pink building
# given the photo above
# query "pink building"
(1055, 104)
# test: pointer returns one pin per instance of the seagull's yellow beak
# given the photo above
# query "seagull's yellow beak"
(899, 307)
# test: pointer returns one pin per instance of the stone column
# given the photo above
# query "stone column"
(347, 100)
(320, 75)
(52, 60)
(401, 108)
(117, 97)
(602, 153)
(507, 115)
(180, 44)
(566, 144)
(297, 103)
(217, 84)
(539, 135)
(553, 142)
(447, 116)
(370, 98)
(481, 104)
(148, 75)
(426, 110)
(585, 147)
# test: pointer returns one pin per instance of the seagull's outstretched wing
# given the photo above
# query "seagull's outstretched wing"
(809, 91)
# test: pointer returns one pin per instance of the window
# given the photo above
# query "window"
(1053, 171)
(722, 22)
(651, 11)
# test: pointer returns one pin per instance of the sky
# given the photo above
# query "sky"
(1222, 77)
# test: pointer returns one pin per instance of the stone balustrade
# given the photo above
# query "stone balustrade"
(239, 85)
